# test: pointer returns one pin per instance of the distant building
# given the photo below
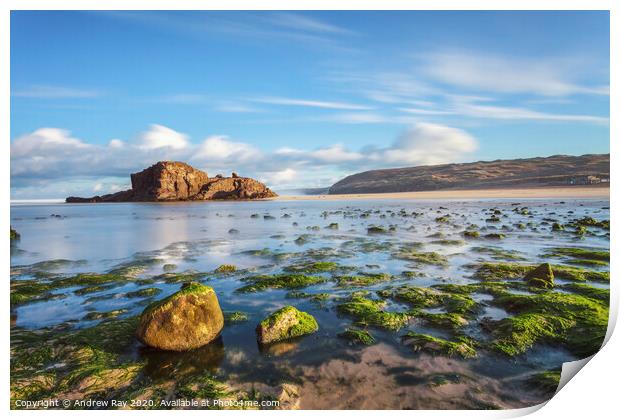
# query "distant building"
(587, 180)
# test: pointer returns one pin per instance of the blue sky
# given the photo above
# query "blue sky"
(297, 99)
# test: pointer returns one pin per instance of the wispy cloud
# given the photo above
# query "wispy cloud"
(54, 92)
(310, 103)
(540, 76)
(305, 23)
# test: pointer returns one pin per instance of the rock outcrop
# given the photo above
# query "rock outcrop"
(186, 320)
(285, 323)
(178, 181)
(541, 276)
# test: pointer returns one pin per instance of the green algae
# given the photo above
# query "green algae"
(92, 316)
(449, 242)
(498, 253)
(576, 321)
(87, 363)
(370, 313)
(443, 219)
(357, 336)
(14, 235)
(557, 227)
(502, 271)
(317, 297)
(541, 276)
(426, 297)
(471, 234)
(448, 321)
(305, 323)
(279, 281)
(190, 288)
(93, 289)
(588, 291)
(146, 292)
(494, 236)
(547, 381)
(236, 316)
(376, 230)
(313, 267)
(226, 268)
(463, 346)
(579, 254)
(590, 221)
(418, 297)
(427, 258)
(362, 279)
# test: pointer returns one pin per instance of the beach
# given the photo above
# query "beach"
(517, 193)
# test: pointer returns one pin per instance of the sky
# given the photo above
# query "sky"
(297, 99)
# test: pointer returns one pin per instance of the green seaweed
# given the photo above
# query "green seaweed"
(357, 336)
(463, 346)
(370, 313)
(279, 281)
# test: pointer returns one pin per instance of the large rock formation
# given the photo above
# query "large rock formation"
(186, 320)
(178, 181)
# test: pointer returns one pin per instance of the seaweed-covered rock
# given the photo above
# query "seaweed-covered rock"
(285, 323)
(541, 276)
(14, 235)
(186, 320)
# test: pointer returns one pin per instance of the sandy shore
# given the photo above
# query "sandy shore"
(556, 192)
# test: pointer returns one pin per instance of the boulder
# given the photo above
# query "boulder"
(285, 323)
(541, 276)
(186, 320)
(178, 181)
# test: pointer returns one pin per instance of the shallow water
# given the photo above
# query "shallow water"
(198, 237)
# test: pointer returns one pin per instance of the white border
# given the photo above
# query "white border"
(593, 395)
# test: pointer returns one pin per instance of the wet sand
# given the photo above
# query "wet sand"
(517, 193)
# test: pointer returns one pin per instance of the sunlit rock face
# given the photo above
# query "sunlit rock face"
(178, 181)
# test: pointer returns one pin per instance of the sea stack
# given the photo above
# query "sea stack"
(178, 181)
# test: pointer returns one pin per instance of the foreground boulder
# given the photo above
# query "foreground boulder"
(178, 181)
(186, 320)
(285, 323)
(541, 276)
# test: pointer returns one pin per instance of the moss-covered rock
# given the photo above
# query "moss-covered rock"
(371, 313)
(226, 268)
(429, 344)
(578, 322)
(188, 319)
(357, 336)
(541, 276)
(279, 281)
(14, 235)
(285, 323)
(236, 316)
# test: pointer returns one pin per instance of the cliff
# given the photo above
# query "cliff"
(550, 171)
(178, 181)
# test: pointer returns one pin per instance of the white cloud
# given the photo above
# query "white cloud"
(222, 149)
(310, 103)
(541, 76)
(54, 92)
(283, 177)
(158, 137)
(306, 23)
(56, 163)
(427, 144)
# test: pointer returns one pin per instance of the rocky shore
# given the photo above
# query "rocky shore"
(178, 181)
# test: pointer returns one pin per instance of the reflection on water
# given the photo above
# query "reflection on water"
(170, 364)
(153, 239)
